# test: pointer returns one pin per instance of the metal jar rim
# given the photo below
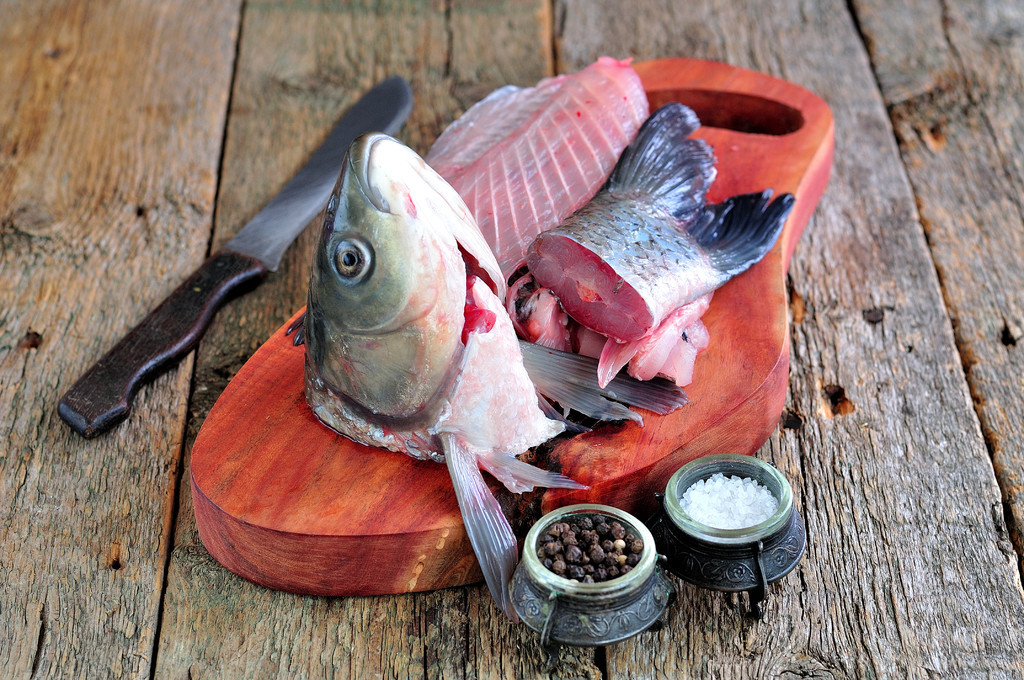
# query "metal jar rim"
(729, 464)
(611, 589)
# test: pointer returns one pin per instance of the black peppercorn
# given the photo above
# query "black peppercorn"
(589, 549)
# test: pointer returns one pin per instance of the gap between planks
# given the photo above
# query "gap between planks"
(1007, 524)
(171, 524)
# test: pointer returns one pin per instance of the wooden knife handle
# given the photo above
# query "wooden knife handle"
(102, 396)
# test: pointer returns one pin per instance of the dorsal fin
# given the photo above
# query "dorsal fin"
(665, 165)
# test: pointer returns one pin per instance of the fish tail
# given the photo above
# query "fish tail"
(571, 380)
(665, 166)
(739, 231)
(489, 531)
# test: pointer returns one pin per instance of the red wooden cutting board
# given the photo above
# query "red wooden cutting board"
(283, 501)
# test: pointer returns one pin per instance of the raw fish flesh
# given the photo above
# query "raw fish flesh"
(537, 316)
(668, 351)
(524, 159)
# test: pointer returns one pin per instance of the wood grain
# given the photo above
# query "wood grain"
(960, 128)
(111, 121)
(905, 556)
(111, 127)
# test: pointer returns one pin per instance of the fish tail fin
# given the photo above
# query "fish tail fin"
(572, 381)
(665, 165)
(489, 532)
(520, 477)
(739, 231)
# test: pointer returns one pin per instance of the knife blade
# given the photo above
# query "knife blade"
(102, 397)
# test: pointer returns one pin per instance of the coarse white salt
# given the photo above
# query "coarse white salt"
(728, 502)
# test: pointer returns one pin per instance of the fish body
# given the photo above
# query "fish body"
(524, 159)
(408, 346)
(647, 243)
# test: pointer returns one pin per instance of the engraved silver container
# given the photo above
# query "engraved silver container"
(564, 611)
(731, 560)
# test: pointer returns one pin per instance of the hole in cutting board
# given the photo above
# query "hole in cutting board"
(744, 113)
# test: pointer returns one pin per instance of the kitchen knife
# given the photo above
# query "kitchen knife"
(102, 397)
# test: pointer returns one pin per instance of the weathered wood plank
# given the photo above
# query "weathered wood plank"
(906, 573)
(960, 132)
(111, 122)
(284, 100)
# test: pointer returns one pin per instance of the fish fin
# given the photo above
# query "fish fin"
(665, 165)
(299, 328)
(489, 532)
(614, 355)
(520, 477)
(553, 413)
(739, 231)
(571, 380)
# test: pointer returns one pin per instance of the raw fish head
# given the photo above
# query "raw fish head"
(388, 285)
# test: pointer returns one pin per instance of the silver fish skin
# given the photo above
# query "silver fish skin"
(648, 243)
(364, 333)
(393, 358)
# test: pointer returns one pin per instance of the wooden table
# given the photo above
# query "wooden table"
(137, 136)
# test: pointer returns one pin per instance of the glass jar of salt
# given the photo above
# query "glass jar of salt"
(728, 522)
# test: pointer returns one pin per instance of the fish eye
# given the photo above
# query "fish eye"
(353, 259)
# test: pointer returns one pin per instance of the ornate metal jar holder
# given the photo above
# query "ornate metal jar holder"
(730, 560)
(564, 611)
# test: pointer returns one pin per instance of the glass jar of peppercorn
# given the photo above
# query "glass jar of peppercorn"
(589, 576)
